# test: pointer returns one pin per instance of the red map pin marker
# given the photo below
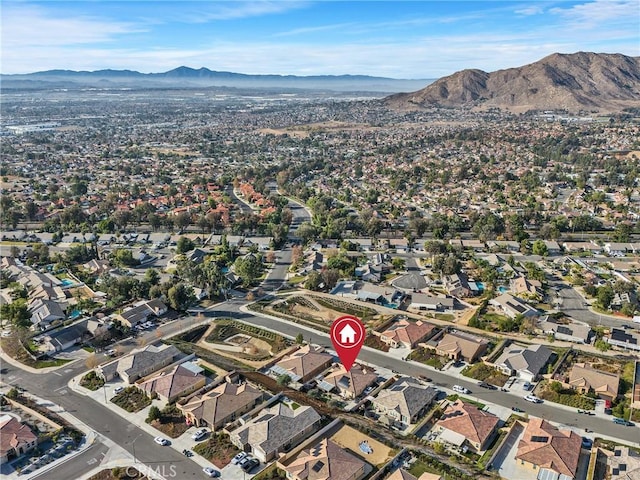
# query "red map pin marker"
(347, 335)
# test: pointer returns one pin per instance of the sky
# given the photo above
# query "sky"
(397, 39)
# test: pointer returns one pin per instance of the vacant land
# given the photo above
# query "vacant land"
(218, 449)
(132, 399)
(350, 438)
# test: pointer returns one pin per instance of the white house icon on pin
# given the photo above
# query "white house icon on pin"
(347, 334)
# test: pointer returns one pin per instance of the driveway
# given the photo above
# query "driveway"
(505, 462)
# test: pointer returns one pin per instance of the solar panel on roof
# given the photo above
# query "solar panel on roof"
(318, 466)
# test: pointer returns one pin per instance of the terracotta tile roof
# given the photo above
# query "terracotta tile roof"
(307, 361)
(406, 332)
(354, 381)
(469, 421)
(14, 434)
(221, 402)
(546, 446)
(173, 383)
(401, 474)
(325, 461)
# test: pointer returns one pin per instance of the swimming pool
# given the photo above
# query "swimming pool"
(67, 283)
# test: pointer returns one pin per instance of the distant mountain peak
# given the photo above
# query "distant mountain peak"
(575, 81)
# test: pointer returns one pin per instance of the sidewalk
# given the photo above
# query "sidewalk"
(103, 396)
(90, 437)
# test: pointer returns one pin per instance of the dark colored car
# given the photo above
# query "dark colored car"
(250, 465)
(516, 409)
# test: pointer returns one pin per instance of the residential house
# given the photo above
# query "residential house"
(553, 248)
(617, 248)
(573, 331)
(627, 339)
(365, 244)
(623, 464)
(97, 267)
(458, 345)
(475, 245)
(459, 285)
(405, 333)
(221, 405)
(524, 362)
(586, 379)
(405, 401)
(325, 460)
(275, 430)
(16, 438)
(380, 295)
(400, 245)
(402, 474)
(139, 363)
(421, 301)
(552, 451)
(465, 425)
(181, 380)
(44, 313)
(141, 312)
(521, 286)
(513, 306)
(66, 337)
(349, 384)
(304, 364)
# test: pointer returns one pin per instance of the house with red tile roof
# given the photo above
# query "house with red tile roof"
(404, 333)
(545, 447)
(325, 460)
(463, 424)
(16, 438)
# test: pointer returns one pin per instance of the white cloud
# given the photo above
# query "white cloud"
(532, 10)
(592, 14)
(25, 25)
(231, 10)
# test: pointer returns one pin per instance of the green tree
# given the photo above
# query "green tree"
(17, 312)
(300, 338)
(154, 414)
(314, 279)
(601, 345)
(540, 248)
(180, 296)
(248, 268)
(283, 379)
(184, 245)
(152, 276)
(605, 296)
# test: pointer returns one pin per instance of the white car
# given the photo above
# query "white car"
(532, 399)
(239, 457)
(211, 472)
(118, 389)
(198, 434)
(161, 441)
(461, 389)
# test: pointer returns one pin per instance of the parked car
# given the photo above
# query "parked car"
(199, 434)
(161, 441)
(532, 399)
(111, 352)
(461, 389)
(587, 442)
(211, 472)
(487, 386)
(527, 386)
(517, 409)
(118, 389)
(243, 461)
(241, 456)
(425, 378)
(250, 465)
(622, 421)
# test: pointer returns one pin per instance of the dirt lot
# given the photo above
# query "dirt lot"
(350, 438)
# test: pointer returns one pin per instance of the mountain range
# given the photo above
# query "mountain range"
(574, 82)
(186, 77)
